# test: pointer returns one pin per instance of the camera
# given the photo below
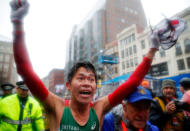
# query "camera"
(181, 105)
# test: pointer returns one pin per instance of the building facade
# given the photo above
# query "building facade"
(133, 47)
(101, 27)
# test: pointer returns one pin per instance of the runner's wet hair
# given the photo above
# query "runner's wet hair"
(86, 64)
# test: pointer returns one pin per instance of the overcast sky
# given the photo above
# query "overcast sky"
(49, 24)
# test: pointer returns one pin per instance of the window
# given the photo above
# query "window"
(126, 9)
(126, 52)
(123, 65)
(127, 64)
(6, 68)
(178, 50)
(134, 49)
(181, 64)
(129, 39)
(131, 10)
(135, 61)
(131, 61)
(159, 69)
(121, 42)
(136, 12)
(5, 75)
(187, 46)
(188, 62)
(143, 44)
(162, 53)
(116, 70)
(7, 49)
(7, 58)
(125, 41)
(123, 20)
(133, 37)
(122, 53)
(130, 51)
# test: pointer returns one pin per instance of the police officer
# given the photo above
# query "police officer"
(7, 89)
(20, 112)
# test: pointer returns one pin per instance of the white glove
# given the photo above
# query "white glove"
(19, 8)
(154, 40)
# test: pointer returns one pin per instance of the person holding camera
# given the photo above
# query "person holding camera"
(164, 112)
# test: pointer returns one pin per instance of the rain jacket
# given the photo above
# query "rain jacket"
(14, 115)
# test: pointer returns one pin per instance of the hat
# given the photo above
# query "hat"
(185, 82)
(7, 86)
(139, 94)
(168, 83)
(22, 85)
(145, 83)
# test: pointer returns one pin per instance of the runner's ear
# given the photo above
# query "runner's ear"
(68, 86)
(124, 104)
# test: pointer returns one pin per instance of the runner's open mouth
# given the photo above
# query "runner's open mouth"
(85, 92)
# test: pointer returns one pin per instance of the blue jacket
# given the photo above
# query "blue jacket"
(108, 124)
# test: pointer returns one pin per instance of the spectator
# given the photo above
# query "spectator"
(7, 89)
(185, 89)
(20, 112)
(133, 115)
(184, 84)
(146, 85)
(163, 111)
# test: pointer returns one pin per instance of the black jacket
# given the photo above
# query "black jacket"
(157, 116)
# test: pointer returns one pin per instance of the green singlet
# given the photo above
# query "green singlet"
(69, 124)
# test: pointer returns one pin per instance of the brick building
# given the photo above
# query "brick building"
(56, 81)
(7, 67)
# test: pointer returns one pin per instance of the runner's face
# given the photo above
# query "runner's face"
(83, 85)
(137, 113)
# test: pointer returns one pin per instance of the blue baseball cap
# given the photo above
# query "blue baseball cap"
(139, 94)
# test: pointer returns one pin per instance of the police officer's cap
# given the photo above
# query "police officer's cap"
(22, 85)
(7, 86)
(185, 82)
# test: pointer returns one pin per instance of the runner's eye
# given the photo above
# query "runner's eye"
(91, 79)
(80, 78)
